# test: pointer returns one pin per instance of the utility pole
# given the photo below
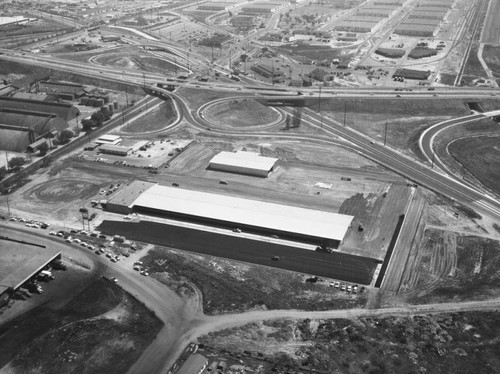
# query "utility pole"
(385, 136)
(319, 107)
(345, 111)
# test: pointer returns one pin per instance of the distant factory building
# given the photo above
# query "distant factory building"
(412, 74)
(110, 38)
(409, 29)
(375, 12)
(266, 71)
(421, 21)
(428, 14)
(65, 90)
(215, 6)
(356, 26)
(241, 162)
(64, 110)
(438, 3)
(20, 128)
(388, 2)
(263, 8)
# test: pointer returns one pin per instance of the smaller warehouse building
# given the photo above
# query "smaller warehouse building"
(112, 149)
(241, 162)
(108, 139)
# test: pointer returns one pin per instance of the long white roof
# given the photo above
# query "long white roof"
(248, 160)
(256, 213)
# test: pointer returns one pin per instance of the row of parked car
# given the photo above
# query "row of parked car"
(30, 222)
(347, 287)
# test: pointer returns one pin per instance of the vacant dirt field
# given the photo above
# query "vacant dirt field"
(449, 343)
(103, 329)
(157, 118)
(481, 157)
(235, 286)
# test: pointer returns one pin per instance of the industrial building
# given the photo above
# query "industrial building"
(410, 29)
(241, 162)
(356, 26)
(112, 149)
(288, 222)
(123, 200)
(428, 14)
(263, 8)
(65, 90)
(266, 70)
(20, 262)
(215, 6)
(20, 128)
(375, 12)
(242, 21)
(65, 111)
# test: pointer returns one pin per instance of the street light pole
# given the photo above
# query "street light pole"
(385, 136)
(319, 108)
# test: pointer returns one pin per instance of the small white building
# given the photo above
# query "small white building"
(242, 162)
(109, 139)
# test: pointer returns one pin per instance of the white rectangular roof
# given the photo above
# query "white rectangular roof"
(244, 159)
(255, 213)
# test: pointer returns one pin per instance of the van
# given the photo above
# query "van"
(222, 182)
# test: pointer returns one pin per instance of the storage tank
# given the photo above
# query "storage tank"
(115, 105)
(98, 103)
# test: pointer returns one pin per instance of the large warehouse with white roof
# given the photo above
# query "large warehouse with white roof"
(254, 216)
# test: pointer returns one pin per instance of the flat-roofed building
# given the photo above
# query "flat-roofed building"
(375, 12)
(438, 3)
(416, 30)
(428, 14)
(112, 149)
(108, 139)
(263, 8)
(241, 162)
(20, 262)
(388, 2)
(215, 6)
(421, 21)
(57, 87)
(122, 201)
(356, 26)
(289, 222)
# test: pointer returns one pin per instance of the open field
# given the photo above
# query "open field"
(137, 61)
(481, 157)
(157, 118)
(491, 55)
(448, 344)
(491, 31)
(103, 329)
(456, 267)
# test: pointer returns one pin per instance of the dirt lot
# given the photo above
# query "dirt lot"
(481, 156)
(449, 343)
(230, 286)
(103, 329)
